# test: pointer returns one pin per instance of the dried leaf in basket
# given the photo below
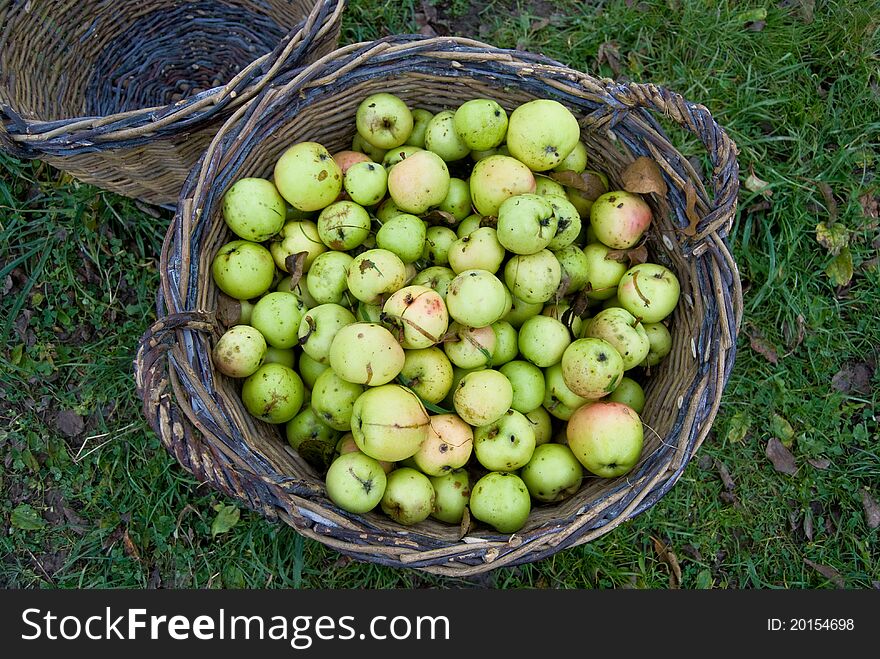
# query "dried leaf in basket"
(633, 256)
(295, 264)
(589, 184)
(228, 310)
(690, 210)
(643, 176)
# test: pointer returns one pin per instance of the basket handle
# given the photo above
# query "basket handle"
(695, 119)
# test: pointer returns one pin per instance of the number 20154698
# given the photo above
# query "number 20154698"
(810, 624)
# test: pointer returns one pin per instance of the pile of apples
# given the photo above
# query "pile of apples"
(443, 319)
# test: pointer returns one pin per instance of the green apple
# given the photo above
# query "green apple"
(242, 269)
(477, 298)
(277, 316)
(318, 328)
(629, 392)
(384, 120)
(313, 439)
(356, 482)
(366, 183)
(307, 176)
(568, 222)
(661, 343)
(541, 134)
(438, 240)
(458, 200)
(559, 399)
(333, 400)
(545, 186)
(533, 277)
(418, 315)
(606, 438)
(366, 353)
(397, 154)
(501, 500)
(481, 123)
(603, 273)
(592, 368)
(389, 422)
(479, 250)
(437, 278)
(386, 210)
(295, 237)
(418, 183)
(542, 424)
(575, 161)
(468, 225)
(284, 356)
(239, 352)
(526, 223)
(452, 492)
(428, 372)
(575, 269)
(328, 277)
(623, 331)
(274, 393)
(408, 497)
(310, 369)
(506, 343)
(562, 312)
(649, 291)
(442, 138)
(421, 118)
(521, 311)
(343, 225)
(527, 381)
(374, 153)
(543, 340)
(553, 473)
(403, 235)
(253, 209)
(620, 218)
(470, 347)
(482, 397)
(497, 178)
(506, 444)
(375, 273)
(447, 447)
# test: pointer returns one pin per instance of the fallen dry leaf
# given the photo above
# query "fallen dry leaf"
(69, 423)
(870, 205)
(754, 184)
(872, 509)
(830, 201)
(690, 203)
(609, 53)
(295, 264)
(828, 572)
(820, 463)
(808, 524)
(760, 345)
(589, 184)
(466, 524)
(439, 217)
(854, 378)
(228, 310)
(724, 474)
(633, 256)
(794, 337)
(668, 556)
(781, 457)
(643, 176)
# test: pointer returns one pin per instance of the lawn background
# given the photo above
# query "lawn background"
(91, 499)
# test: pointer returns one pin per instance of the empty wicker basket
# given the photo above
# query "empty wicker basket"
(128, 95)
(198, 412)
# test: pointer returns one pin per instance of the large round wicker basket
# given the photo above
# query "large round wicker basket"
(127, 95)
(198, 413)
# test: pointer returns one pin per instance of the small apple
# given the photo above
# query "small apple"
(543, 340)
(526, 223)
(629, 392)
(458, 200)
(239, 352)
(506, 444)
(418, 315)
(496, 178)
(428, 372)
(506, 343)
(437, 278)
(356, 482)
(374, 153)
(253, 209)
(623, 331)
(542, 133)
(409, 496)
(575, 161)
(521, 311)
(447, 447)
(501, 500)
(477, 298)
(242, 269)
(592, 368)
(310, 369)
(470, 347)
(620, 218)
(438, 240)
(606, 438)
(366, 353)
(284, 356)
(527, 381)
(313, 439)
(366, 183)
(389, 422)
(274, 393)
(661, 343)
(604, 273)
(398, 154)
(277, 317)
(328, 277)
(384, 120)
(318, 328)
(482, 397)
(575, 269)
(403, 235)
(553, 473)
(442, 138)
(559, 399)
(481, 123)
(374, 274)
(343, 225)
(452, 492)
(533, 277)
(479, 250)
(545, 186)
(386, 210)
(542, 424)
(295, 237)
(421, 118)
(468, 225)
(333, 400)
(563, 312)
(419, 182)
(307, 176)
(649, 291)
(568, 222)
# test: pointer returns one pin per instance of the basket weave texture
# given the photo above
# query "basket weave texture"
(127, 95)
(198, 413)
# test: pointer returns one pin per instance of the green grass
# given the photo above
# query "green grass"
(801, 99)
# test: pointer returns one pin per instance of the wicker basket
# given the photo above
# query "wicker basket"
(128, 95)
(198, 412)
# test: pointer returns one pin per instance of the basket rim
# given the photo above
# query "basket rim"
(32, 138)
(176, 314)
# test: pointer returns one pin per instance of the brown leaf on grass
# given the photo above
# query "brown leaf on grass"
(665, 554)
(870, 205)
(830, 201)
(155, 581)
(294, 265)
(643, 176)
(755, 184)
(794, 336)
(760, 345)
(781, 457)
(755, 26)
(828, 572)
(724, 474)
(425, 18)
(690, 210)
(854, 378)
(69, 423)
(130, 548)
(820, 463)
(228, 310)
(608, 52)
(808, 524)
(872, 509)
(589, 184)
